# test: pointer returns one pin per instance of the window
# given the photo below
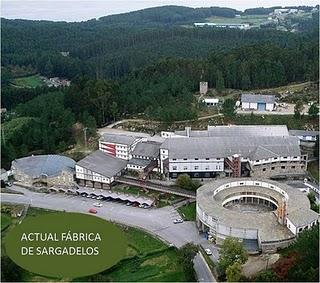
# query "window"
(218, 158)
(264, 169)
(272, 168)
(185, 167)
(207, 168)
(163, 151)
(257, 160)
(196, 174)
(292, 167)
(174, 175)
(302, 167)
(285, 157)
(174, 159)
(207, 158)
(283, 167)
(196, 167)
(174, 167)
(185, 158)
(196, 159)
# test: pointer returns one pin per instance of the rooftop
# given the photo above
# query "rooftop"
(257, 98)
(220, 147)
(149, 149)
(102, 163)
(237, 130)
(119, 139)
(139, 162)
(50, 165)
(300, 217)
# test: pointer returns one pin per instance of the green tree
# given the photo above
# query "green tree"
(233, 272)
(184, 181)
(219, 81)
(186, 255)
(231, 251)
(298, 109)
(313, 110)
(267, 276)
(228, 108)
(114, 110)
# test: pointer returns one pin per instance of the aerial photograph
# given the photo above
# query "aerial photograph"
(159, 141)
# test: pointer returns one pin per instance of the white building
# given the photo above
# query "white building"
(232, 151)
(99, 169)
(305, 136)
(211, 101)
(257, 102)
(222, 25)
(203, 87)
(120, 146)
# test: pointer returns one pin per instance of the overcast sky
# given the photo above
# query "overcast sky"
(80, 10)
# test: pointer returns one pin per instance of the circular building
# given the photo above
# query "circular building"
(264, 214)
(45, 170)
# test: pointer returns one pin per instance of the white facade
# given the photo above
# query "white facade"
(88, 175)
(254, 106)
(211, 101)
(196, 165)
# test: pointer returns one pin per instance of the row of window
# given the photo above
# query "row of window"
(174, 159)
(185, 168)
(284, 167)
(276, 158)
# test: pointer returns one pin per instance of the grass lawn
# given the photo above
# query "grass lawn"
(148, 258)
(255, 20)
(28, 82)
(188, 212)
(5, 221)
(313, 168)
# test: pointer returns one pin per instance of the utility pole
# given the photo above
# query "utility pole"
(85, 137)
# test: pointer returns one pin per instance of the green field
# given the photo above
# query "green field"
(5, 221)
(188, 212)
(255, 20)
(28, 82)
(147, 259)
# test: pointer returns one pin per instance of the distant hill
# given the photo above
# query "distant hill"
(166, 15)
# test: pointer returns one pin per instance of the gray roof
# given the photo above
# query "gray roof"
(149, 149)
(139, 162)
(220, 147)
(301, 217)
(235, 130)
(120, 139)
(50, 165)
(303, 133)
(103, 163)
(257, 98)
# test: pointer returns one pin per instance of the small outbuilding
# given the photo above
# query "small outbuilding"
(257, 102)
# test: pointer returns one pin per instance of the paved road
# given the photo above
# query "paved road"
(202, 269)
(156, 221)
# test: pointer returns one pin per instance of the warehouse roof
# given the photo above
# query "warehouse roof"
(235, 130)
(219, 147)
(149, 149)
(119, 139)
(103, 164)
(257, 98)
(50, 165)
(301, 217)
(303, 133)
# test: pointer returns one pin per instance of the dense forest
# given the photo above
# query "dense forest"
(139, 62)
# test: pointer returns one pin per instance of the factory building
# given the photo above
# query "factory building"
(257, 102)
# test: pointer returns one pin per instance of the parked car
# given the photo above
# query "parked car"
(99, 198)
(146, 206)
(135, 204)
(93, 197)
(88, 196)
(97, 204)
(128, 203)
(208, 251)
(141, 205)
(178, 220)
(92, 210)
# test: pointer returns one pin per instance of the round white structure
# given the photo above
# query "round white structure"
(264, 213)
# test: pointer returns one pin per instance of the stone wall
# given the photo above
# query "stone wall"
(272, 169)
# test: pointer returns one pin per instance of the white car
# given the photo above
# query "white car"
(208, 251)
(97, 204)
(178, 220)
(99, 198)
